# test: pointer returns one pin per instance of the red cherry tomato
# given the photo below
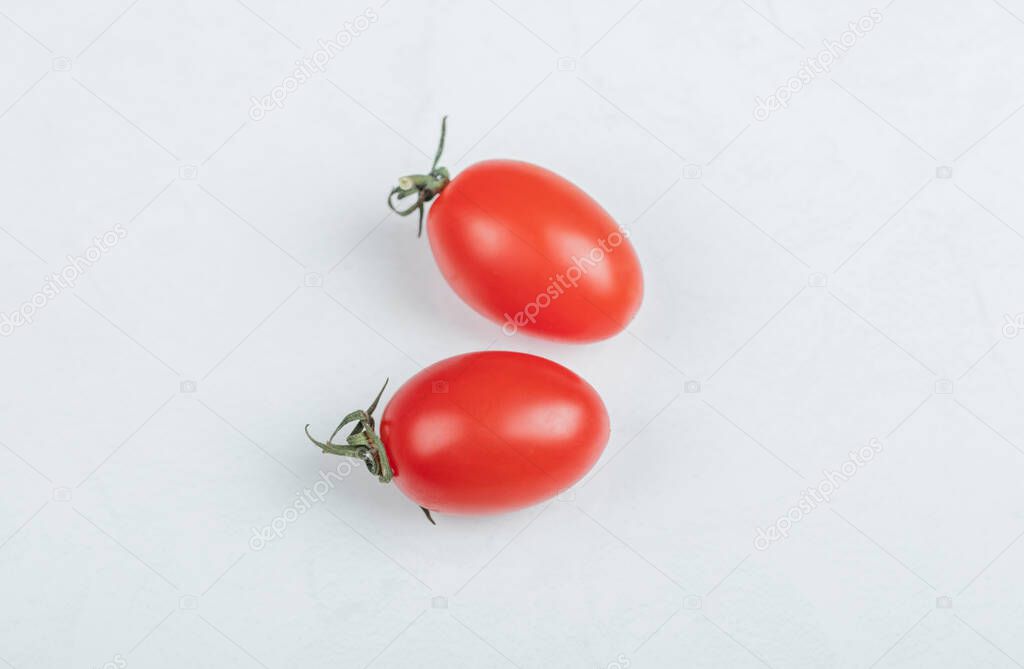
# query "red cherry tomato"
(528, 249)
(487, 432)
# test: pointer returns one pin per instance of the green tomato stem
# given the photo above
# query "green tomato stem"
(424, 186)
(362, 443)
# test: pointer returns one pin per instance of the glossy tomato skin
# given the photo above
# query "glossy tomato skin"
(528, 249)
(492, 431)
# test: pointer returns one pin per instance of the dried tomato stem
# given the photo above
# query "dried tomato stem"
(425, 186)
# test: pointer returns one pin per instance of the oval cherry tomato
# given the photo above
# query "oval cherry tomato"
(484, 433)
(528, 249)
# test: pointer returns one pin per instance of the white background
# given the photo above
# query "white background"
(127, 503)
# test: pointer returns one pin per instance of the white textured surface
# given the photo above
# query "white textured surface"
(127, 505)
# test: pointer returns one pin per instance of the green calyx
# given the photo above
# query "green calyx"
(424, 186)
(362, 443)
